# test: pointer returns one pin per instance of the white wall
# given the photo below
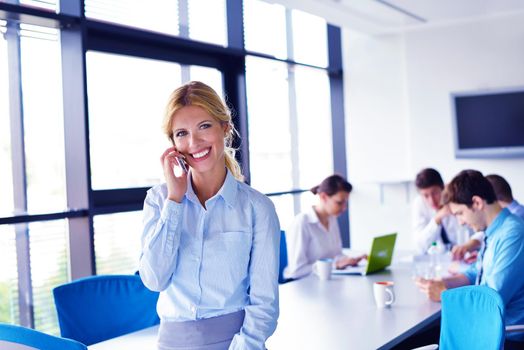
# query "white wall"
(398, 112)
(377, 134)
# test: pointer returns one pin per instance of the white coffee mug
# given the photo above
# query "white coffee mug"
(322, 268)
(384, 293)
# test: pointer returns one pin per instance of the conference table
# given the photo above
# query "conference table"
(339, 313)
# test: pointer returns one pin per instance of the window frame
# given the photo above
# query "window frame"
(79, 35)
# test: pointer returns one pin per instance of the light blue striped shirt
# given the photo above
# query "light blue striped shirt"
(217, 261)
(517, 209)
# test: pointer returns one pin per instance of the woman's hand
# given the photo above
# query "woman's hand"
(347, 261)
(176, 185)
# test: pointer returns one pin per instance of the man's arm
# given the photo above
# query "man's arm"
(459, 251)
(434, 288)
(425, 228)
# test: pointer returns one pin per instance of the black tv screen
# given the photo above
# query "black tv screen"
(489, 125)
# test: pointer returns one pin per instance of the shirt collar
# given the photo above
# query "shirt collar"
(311, 215)
(190, 193)
(228, 190)
(513, 205)
(490, 230)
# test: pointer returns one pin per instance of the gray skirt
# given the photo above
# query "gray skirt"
(215, 333)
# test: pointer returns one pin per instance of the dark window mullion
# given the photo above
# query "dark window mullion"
(76, 142)
(235, 82)
(338, 126)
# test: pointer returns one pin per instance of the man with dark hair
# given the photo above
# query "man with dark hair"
(505, 198)
(432, 221)
(472, 200)
(505, 195)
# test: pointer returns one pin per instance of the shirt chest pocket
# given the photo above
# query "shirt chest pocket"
(229, 251)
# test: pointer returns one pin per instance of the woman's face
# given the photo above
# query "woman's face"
(335, 204)
(200, 137)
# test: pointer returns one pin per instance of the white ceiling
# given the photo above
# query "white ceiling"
(386, 16)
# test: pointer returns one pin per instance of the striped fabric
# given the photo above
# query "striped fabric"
(215, 260)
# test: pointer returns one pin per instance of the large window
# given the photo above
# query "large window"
(126, 99)
(6, 180)
(207, 21)
(157, 15)
(265, 28)
(269, 125)
(43, 119)
(113, 256)
(9, 312)
(289, 107)
(49, 268)
(43, 4)
(33, 255)
(314, 140)
(202, 20)
(126, 140)
(309, 39)
(82, 100)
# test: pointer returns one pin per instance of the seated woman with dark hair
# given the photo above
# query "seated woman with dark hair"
(314, 234)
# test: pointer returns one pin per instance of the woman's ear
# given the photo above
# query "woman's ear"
(226, 127)
(323, 196)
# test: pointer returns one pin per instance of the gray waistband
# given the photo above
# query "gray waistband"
(200, 333)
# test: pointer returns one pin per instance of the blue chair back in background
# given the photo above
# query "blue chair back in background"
(472, 318)
(97, 308)
(11, 334)
(283, 258)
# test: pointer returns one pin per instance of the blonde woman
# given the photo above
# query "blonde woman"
(210, 243)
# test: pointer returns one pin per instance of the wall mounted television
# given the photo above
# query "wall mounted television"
(489, 124)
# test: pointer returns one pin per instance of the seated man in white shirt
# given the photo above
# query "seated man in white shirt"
(505, 199)
(433, 222)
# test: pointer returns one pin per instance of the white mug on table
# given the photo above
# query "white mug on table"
(322, 268)
(384, 293)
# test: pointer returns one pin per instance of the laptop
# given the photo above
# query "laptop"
(378, 258)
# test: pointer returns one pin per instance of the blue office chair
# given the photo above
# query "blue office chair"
(472, 315)
(472, 312)
(97, 308)
(12, 336)
(283, 259)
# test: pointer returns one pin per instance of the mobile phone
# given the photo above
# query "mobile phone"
(182, 164)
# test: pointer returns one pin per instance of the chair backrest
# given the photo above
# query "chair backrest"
(472, 318)
(17, 337)
(98, 308)
(283, 257)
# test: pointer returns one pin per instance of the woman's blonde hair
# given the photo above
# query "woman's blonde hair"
(198, 94)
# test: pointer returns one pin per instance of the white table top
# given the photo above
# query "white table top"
(341, 314)
(144, 339)
(336, 314)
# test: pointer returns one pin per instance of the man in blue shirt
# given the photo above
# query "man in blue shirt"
(472, 200)
(505, 198)
(505, 195)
